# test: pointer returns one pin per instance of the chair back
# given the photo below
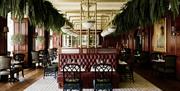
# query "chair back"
(103, 72)
(71, 73)
(44, 57)
(19, 57)
(8, 53)
(156, 55)
(51, 54)
(5, 62)
(170, 61)
(35, 55)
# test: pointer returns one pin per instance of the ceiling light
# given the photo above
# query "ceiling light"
(112, 29)
(88, 23)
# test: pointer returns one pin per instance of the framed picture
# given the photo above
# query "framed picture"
(159, 36)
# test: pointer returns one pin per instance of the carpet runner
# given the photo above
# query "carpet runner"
(50, 84)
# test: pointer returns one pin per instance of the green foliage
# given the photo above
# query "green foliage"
(40, 39)
(143, 13)
(18, 39)
(174, 7)
(40, 12)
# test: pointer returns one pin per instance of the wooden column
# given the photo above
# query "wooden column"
(3, 36)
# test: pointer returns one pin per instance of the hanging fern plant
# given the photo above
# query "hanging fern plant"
(18, 39)
(143, 13)
(174, 7)
(40, 12)
(40, 39)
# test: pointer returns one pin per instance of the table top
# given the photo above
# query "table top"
(92, 69)
(158, 60)
(122, 62)
(137, 55)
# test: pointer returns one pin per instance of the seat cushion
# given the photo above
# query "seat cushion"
(72, 86)
(17, 66)
(4, 72)
(72, 80)
(103, 80)
(103, 86)
(169, 70)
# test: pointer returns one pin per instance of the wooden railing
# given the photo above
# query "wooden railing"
(87, 50)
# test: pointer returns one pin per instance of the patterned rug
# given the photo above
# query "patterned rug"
(140, 84)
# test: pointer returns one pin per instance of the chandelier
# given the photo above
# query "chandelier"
(87, 10)
(88, 21)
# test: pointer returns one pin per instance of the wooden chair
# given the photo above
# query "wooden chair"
(103, 77)
(42, 56)
(35, 58)
(72, 77)
(126, 71)
(5, 66)
(49, 69)
(168, 68)
(19, 63)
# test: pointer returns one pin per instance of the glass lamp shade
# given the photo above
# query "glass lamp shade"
(112, 29)
(5, 29)
(88, 24)
(104, 33)
(65, 29)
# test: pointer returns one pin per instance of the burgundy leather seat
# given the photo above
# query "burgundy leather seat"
(86, 61)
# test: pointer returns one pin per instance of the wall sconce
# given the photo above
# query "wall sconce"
(35, 34)
(129, 36)
(173, 31)
(88, 6)
(5, 29)
(143, 34)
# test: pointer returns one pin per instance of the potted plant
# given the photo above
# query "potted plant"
(40, 39)
(18, 39)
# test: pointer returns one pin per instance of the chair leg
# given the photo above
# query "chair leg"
(17, 75)
(44, 75)
(23, 73)
(55, 74)
(132, 77)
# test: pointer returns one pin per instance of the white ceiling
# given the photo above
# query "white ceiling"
(105, 8)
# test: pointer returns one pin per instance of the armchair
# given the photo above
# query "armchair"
(19, 63)
(169, 66)
(5, 66)
(35, 58)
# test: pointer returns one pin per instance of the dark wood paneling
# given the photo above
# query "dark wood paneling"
(171, 49)
(3, 36)
(178, 67)
(22, 28)
(177, 46)
(146, 39)
(40, 32)
(172, 42)
(131, 40)
(57, 40)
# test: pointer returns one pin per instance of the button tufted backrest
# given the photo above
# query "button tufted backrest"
(88, 60)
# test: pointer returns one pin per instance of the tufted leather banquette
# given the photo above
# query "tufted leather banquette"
(86, 61)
